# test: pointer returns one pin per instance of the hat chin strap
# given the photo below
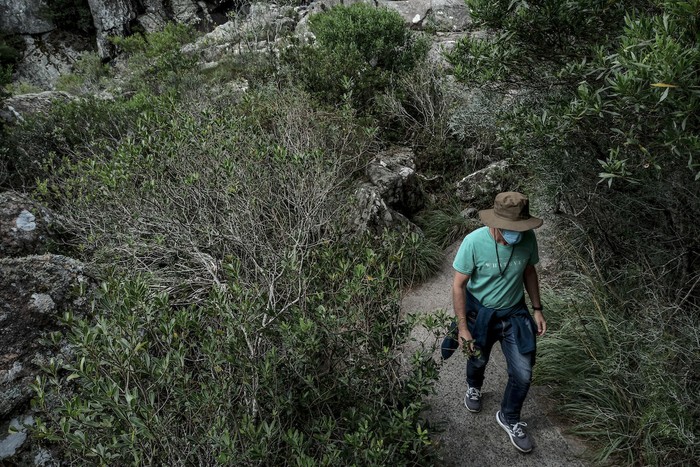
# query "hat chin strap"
(497, 235)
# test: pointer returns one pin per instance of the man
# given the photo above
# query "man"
(492, 265)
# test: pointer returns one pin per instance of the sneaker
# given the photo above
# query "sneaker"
(518, 437)
(472, 399)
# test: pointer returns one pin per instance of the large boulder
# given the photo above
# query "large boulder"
(483, 184)
(393, 172)
(48, 56)
(431, 15)
(24, 17)
(189, 12)
(111, 18)
(17, 108)
(393, 193)
(25, 227)
(374, 215)
(34, 292)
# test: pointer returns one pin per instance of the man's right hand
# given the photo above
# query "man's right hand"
(466, 336)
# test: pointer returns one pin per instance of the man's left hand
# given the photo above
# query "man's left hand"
(541, 323)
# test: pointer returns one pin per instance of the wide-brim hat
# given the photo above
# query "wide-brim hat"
(511, 211)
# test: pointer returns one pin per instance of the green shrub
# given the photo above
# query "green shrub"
(155, 61)
(243, 378)
(416, 257)
(533, 40)
(89, 74)
(72, 133)
(359, 50)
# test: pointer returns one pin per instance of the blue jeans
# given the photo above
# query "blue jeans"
(519, 367)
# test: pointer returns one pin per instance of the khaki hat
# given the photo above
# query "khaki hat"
(511, 211)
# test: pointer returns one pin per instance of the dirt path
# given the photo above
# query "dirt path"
(469, 439)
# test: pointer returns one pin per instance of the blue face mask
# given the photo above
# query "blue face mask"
(511, 236)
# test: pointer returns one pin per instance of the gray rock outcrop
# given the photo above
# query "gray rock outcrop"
(111, 18)
(35, 289)
(257, 31)
(432, 15)
(25, 227)
(16, 108)
(485, 183)
(24, 17)
(34, 292)
(48, 56)
(394, 173)
(394, 192)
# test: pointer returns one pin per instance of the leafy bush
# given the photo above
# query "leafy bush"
(89, 74)
(257, 332)
(240, 379)
(359, 50)
(69, 134)
(155, 61)
(610, 131)
(533, 40)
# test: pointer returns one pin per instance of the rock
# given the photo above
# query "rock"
(373, 214)
(483, 184)
(14, 441)
(394, 192)
(34, 291)
(46, 57)
(470, 213)
(155, 7)
(16, 108)
(25, 227)
(255, 31)
(432, 15)
(151, 22)
(185, 11)
(111, 18)
(24, 17)
(394, 174)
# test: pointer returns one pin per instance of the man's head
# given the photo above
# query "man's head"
(511, 211)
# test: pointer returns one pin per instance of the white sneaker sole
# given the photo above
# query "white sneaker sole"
(507, 430)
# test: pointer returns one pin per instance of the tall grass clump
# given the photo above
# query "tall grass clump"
(446, 225)
(623, 361)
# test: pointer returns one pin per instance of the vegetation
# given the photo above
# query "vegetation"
(360, 51)
(242, 322)
(239, 320)
(608, 125)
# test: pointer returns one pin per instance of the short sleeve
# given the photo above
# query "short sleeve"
(464, 260)
(534, 253)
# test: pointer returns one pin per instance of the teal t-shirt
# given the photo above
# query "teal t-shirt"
(494, 287)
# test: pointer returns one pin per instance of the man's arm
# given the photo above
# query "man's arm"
(459, 303)
(532, 285)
